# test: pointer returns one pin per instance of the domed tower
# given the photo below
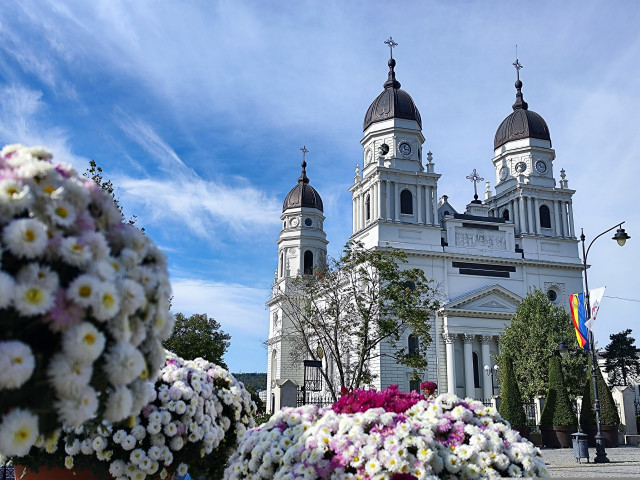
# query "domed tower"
(302, 246)
(393, 188)
(526, 191)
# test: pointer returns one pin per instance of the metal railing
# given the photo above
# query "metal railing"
(312, 398)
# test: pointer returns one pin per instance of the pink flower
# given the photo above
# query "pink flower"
(64, 313)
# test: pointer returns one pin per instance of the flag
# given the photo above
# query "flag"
(595, 297)
(576, 303)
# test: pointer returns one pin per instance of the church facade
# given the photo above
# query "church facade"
(484, 260)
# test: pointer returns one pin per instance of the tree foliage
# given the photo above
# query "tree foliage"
(198, 336)
(511, 406)
(587, 416)
(532, 336)
(608, 410)
(352, 306)
(557, 409)
(622, 363)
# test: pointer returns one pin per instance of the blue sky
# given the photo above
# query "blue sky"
(196, 110)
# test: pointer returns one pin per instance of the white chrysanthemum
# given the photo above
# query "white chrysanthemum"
(69, 375)
(25, 237)
(119, 403)
(14, 197)
(18, 432)
(99, 444)
(117, 468)
(73, 252)
(106, 303)
(83, 289)
(372, 466)
(32, 299)
(73, 447)
(68, 462)
(7, 286)
(62, 213)
(16, 364)
(97, 245)
(77, 409)
(128, 442)
(83, 342)
(123, 363)
(39, 274)
(182, 470)
(132, 295)
(143, 392)
(514, 470)
(176, 443)
(452, 463)
(138, 432)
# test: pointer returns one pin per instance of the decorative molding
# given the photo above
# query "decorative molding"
(486, 338)
(493, 304)
(483, 238)
(468, 338)
(449, 337)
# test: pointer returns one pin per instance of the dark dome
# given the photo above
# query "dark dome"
(393, 102)
(522, 123)
(303, 194)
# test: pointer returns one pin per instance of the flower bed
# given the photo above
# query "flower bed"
(444, 437)
(191, 426)
(83, 303)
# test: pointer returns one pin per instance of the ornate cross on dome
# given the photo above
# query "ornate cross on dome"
(303, 176)
(391, 44)
(475, 178)
(518, 66)
(304, 153)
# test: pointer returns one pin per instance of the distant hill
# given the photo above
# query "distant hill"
(256, 380)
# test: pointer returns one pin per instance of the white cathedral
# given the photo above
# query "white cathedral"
(485, 259)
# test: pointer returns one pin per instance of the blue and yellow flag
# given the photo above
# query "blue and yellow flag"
(576, 305)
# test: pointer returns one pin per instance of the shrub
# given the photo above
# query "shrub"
(557, 409)
(511, 407)
(587, 416)
(608, 411)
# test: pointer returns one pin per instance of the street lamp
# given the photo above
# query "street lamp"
(621, 237)
(491, 372)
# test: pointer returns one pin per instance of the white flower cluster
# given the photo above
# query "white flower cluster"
(445, 437)
(198, 407)
(84, 301)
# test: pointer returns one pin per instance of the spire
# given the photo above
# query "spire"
(520, 103)
(391, 79)
(303, 176)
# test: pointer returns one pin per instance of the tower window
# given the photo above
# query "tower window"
(545, 217)
(308, 262)
(414, 345)
(476, 371)
(406, 202)
(367, 207)
(505, 214)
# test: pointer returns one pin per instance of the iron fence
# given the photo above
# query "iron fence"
(312, 398)
(530, 413)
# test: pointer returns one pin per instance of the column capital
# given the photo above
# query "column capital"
(449, 337)
(468, 338)
(486, 338)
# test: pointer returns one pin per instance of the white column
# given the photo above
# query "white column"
(470, 390)
(486, 360)
(419, 200)
(565, 221)
(388, 194)
(536, 214)
(396, 197)
(374, 203)
(355, 215)
(434, 205)
(449, 339)
(530, 227)
(556, 214)
(428, 217)
(376, 187)
(360, 217)
(523, 220)
(572, 231)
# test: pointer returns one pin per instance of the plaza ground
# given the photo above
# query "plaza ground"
(624, 463)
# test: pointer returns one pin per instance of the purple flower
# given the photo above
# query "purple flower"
(64, 313)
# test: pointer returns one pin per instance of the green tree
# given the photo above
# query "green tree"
(353, 305)
(198, 336)
(511, 407)
(621, 359)
(608, 410)
(557, 409)
(587, 416)
(531, 337)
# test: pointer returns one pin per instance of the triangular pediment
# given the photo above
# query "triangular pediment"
(494, 298)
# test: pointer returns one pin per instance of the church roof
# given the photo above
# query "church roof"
(393, 102)
(303, 194)
(522, 123)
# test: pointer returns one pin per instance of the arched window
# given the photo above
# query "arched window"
(414, 345)
(406, 202)
(367, 207)
(274, 365)
(476, 371)
(545, 217)
(308, 262)
(281, 264)
(505, 214)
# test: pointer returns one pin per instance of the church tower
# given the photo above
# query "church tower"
(394, 198)
(302, 245)
(526, 191)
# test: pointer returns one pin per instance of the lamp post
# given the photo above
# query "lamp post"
(621, 237)
(491, 372)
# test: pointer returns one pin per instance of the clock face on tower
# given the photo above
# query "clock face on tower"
(541, 167)
(405, 148)
(521, 167)
(504, 172)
